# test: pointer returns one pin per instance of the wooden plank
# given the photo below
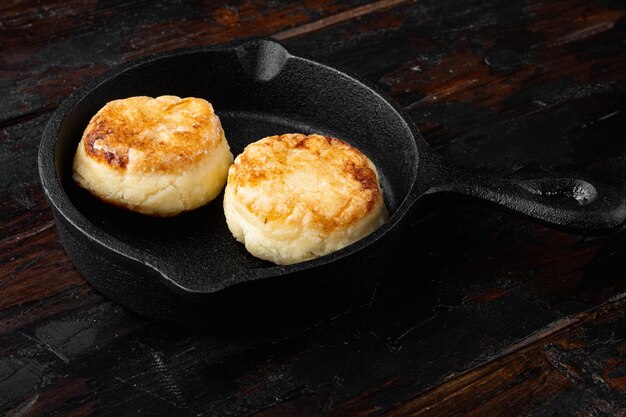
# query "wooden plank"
(339, 18)
(528, 376)
(65, 43)
(481, 314)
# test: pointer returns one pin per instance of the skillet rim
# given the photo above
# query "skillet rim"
(62, 204)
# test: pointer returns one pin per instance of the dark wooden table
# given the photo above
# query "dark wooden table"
(481, 313)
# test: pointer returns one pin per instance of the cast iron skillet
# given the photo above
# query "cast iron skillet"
(189, 268)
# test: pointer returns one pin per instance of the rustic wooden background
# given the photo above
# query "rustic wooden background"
(482, 314)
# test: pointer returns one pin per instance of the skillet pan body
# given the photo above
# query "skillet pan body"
(189, 269)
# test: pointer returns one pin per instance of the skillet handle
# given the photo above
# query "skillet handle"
(569, 203)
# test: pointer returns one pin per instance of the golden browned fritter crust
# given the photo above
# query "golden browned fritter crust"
(296, 179)
(167, 133)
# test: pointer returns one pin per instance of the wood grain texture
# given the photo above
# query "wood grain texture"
(480, 313)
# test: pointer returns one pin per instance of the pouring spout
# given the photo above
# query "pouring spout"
(262, 59)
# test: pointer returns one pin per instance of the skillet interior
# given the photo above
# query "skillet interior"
(257, 89)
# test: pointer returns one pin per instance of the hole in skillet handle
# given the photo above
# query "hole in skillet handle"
(567, 190)
(585, 207)
(567, 203)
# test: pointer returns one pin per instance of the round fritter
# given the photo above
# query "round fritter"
(157, 156)
(294, 197)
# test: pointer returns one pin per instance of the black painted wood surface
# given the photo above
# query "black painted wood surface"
(480, 314)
